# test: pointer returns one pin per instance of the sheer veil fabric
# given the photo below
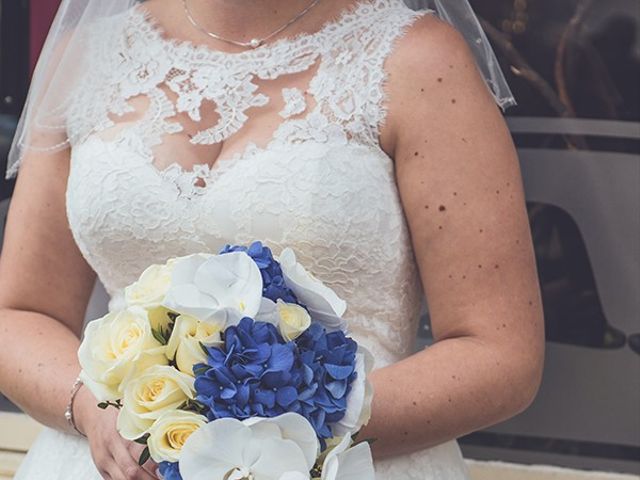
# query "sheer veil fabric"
(43, 125)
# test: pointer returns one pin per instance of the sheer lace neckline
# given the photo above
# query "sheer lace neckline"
(330, 29)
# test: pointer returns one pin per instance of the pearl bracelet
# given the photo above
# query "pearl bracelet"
(68, 413)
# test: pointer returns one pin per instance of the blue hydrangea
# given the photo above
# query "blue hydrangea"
(169, 471)
(274, 286)
(258, 373)
(253, 375)
(328, 362)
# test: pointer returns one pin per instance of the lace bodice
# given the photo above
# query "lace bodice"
(318, 182)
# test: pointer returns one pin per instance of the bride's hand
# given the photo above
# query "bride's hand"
(115, 457)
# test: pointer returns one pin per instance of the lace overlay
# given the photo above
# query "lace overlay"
(317, 182)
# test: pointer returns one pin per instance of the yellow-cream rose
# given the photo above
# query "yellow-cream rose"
(184, 344)
(151, 287)
(148, 395)
(294, 320)
(169, 433)
(159, 318)
(116, 346)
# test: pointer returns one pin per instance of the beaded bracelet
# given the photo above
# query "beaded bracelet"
(68, 413)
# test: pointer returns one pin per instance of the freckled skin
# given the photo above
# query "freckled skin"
(442, 208)
(470, 152)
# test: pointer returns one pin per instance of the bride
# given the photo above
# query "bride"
(359, 133)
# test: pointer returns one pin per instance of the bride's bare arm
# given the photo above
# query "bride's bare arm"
(45, 285)
(460, 185)
(44, 288)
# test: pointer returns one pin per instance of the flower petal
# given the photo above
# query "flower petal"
(321, 301)
(214, 450)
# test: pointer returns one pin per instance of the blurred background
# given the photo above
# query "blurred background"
(574, 66)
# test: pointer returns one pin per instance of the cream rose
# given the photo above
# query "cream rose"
(294, 320)
(159, 318)
(116, 346)
(147, 396)
(184, 344)
(169, 433)
(151, 287)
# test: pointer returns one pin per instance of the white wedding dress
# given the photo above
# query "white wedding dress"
(301, 166)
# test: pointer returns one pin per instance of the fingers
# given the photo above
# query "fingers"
(150, 466)
(128, 466)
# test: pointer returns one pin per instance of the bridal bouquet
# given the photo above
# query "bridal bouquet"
(234, 366)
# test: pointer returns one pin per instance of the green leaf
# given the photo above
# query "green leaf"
(200, 369)
(103, 405)
(158, 336)
(143, 439)
(144, 456)
(204, 348)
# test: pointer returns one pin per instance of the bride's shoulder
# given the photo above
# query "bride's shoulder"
(428, 45)
(431, 69)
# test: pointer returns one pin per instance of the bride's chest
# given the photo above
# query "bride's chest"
(313, 196)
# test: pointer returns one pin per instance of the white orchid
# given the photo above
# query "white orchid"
(280, 448)
(344, 463)
(323, 303)
(217, 289)
(359, 398)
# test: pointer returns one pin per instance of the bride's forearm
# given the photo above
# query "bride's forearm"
(454, 387)
(39, 364)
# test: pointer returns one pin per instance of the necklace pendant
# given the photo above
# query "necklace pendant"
(255, 43)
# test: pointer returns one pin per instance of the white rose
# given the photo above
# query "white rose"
(151, 287)
(184, 344)
(114, 347)
(323, 304)
(359, 398)
(291, 319)
(159, 318)
(216, 288)
(294, 320)
(344, 463)
(283, 447)
(147, 396)
(170, 432)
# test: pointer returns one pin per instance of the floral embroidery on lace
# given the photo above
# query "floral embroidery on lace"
(295, 102)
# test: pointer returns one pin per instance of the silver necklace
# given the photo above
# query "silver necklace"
(254, 42)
